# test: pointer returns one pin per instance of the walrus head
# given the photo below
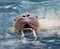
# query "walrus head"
(26, 21)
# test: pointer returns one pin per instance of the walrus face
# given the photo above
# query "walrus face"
(26, 21)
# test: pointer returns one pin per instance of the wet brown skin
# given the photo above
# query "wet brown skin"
(26, 20)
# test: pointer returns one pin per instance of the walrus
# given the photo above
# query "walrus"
(27, 21)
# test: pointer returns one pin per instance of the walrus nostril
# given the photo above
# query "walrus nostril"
(23, 16)
(28, 15)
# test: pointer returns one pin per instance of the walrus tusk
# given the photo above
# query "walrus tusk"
(22, 34)
(34, 33)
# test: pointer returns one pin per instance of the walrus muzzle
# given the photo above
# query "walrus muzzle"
(27, 21)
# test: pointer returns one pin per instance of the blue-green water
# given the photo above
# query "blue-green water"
(47, 39)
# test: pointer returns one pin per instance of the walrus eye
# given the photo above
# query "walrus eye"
(14, 19)
(28, 15)
(36, 16)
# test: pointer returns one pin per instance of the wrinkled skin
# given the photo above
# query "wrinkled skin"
(26, 18)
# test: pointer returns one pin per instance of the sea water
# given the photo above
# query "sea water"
(47, 38)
